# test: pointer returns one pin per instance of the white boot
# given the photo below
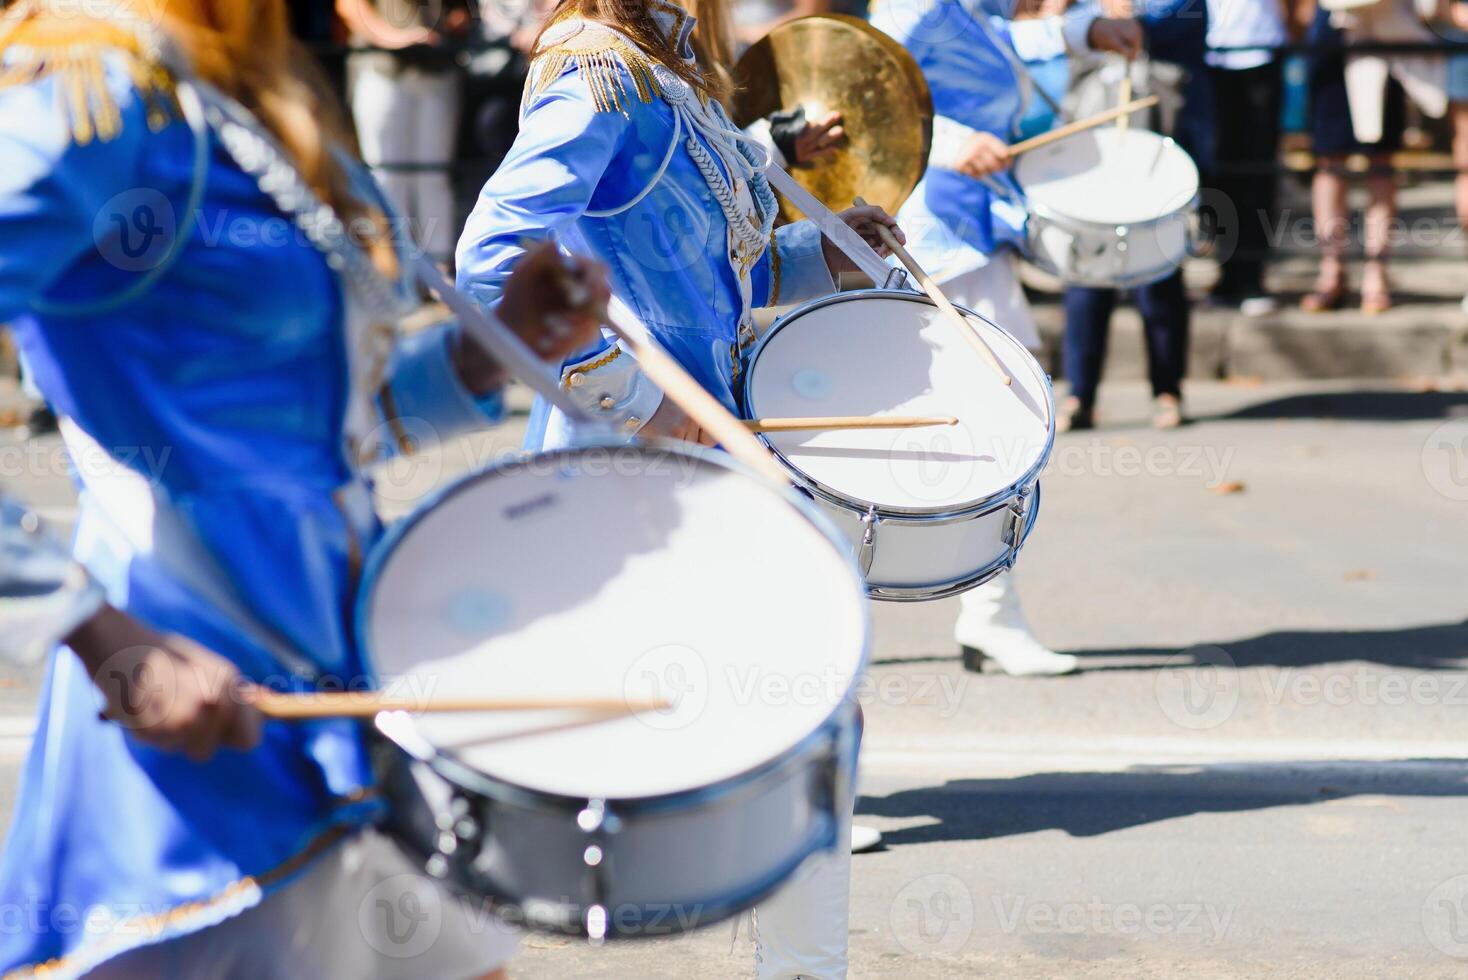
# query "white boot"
(992, 624)
(800, 932)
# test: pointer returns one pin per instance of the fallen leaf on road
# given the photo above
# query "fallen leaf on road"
(1229, 486)
(1360, 575)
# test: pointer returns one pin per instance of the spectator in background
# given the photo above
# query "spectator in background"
(1246, 89)
(1453, 25)
(1359, 107)
(405, 102)
(753, 19)
(1175, 32)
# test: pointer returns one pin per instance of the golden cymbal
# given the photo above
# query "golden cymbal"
(830, 62)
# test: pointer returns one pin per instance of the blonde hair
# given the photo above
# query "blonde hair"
(247, 51)
(713, 44)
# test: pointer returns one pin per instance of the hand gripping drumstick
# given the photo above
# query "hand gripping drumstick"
(686, 393)
(846, 422)
(1081, 125)
(311, 706)
(936, 295)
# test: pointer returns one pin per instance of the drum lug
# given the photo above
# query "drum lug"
(896, 279)
(868, 549)
(1122, 231)
(1018, 519)
(598, 822)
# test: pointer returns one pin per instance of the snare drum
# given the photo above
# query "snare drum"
(1109, 208)
(928, 512)
(626, 572)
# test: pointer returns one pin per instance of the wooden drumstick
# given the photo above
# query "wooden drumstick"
(1081, 125)
(685, 392)
(936, 295)
(1124, 97)
(311, 706)
(846, 422)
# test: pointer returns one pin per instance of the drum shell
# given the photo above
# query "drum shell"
(665, 865)
(1084, 253)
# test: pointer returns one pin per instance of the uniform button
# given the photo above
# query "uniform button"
(607, 403)
(633, 422)
(576, 380)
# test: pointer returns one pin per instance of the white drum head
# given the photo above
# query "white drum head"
(885, 354)
(1109, 177)
(624, 573)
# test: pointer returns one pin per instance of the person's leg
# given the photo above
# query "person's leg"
(1381, 213)
(1332, 229)
(1460, 161)
(1165, 327)
(439, 100)
(1087, 326)
(1261, 154)
(380, 104)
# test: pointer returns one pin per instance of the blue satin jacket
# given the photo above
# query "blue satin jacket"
(973, 58)
(622, 160)
(195, 349)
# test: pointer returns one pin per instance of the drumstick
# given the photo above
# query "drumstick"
(313, 705)
(846, 422)
(936, 295)
(677, 384)
(1081, 125)
(1124, 97)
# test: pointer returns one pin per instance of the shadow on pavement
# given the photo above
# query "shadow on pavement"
(1088, 804)
(1441, 647)
(1367, 406)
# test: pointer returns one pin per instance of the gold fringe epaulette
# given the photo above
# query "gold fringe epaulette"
(605, 60)
(73, 52)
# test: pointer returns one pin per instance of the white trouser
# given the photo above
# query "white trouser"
(995, 603)
(411, 117)
(800, 933)
(994, 293)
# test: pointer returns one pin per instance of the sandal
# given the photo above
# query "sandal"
(1321, 300)
(1074, 417)
(1376, 296)
(1167, 412)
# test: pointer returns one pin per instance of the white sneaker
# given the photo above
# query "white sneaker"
(1257, 306)
(864, 839)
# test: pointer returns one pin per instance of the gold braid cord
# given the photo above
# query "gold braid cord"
(604, 58)
(38, 47)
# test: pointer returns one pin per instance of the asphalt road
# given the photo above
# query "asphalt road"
(1260, 771)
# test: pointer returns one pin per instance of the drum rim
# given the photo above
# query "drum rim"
(948, 514)
(1071, 221)
(393, 536)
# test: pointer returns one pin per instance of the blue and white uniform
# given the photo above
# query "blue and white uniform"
(964, 231)
(221, 386)
(626, 162)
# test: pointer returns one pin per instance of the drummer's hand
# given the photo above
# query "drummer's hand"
(864, 221)
(1122, 35)
(168, 691)
(552, 302)
(669, 422)
(819, 138)
(984, 154)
